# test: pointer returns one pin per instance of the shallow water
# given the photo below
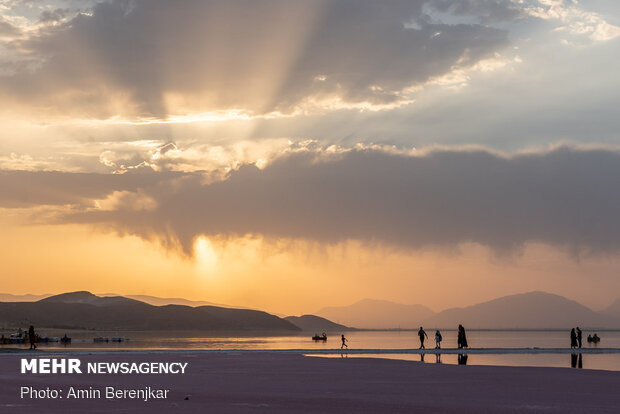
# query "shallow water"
(166, 340)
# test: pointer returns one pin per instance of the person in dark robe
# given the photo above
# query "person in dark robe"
(461, 337)
(579, 336)
(573, 338)
(32, 337)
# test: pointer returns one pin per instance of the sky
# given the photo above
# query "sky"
(289, 155)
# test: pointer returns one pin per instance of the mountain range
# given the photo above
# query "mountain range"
(83, 310)
(533, 310)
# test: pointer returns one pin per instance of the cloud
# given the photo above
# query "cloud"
(487, 11)
(574, 19)
(24, 189)
(153, 58)
(564, 197)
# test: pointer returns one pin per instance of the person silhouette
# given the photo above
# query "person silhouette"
(344, 343)
(573, 338)
(32, 337)
(461, 337)
(438, 339)
(422, 334)
(579, 336)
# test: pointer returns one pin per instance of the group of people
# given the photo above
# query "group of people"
(461, 338)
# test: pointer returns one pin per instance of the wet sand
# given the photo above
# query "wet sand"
(269, 382)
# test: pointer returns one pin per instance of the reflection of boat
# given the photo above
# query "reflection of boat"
(101, 339)
(319, 337)
(17, 338)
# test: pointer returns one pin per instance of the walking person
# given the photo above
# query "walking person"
(32, 337)
(344, 343)
(579, 336)
(438, 339)
(573, 338)
(422, 334)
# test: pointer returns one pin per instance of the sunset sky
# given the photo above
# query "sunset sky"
(288, 155)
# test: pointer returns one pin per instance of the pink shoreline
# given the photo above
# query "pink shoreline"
(238, 382)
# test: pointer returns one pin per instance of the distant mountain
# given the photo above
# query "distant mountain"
(613, 310)
(316, 324)
(157, 301)
(377, 314)
(89, 298)
(83, 310)
(533, 310)
(7, 297)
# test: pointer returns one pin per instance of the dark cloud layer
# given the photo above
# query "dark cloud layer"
(24, 189)
(564, 197)
(242, 54)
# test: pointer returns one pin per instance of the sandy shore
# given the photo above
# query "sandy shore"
(265, 382)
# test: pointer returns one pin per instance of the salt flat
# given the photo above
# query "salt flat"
(231, 382)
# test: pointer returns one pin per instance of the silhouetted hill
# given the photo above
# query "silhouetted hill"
(315, 324)
(89, 298)
(84, 310)
(533, 310)
(157, 301)
(377, 314)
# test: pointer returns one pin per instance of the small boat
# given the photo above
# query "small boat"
(320, 337)
(118, 339)
(53, 339)
(101, 339)
(65, 340)
(594, 339)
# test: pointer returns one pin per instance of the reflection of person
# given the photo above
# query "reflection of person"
(461, 338)
(438, 339)
(462, 359)
(579, 336)
(422, 334)
(32, 337)
(344, 345)
(573, 338)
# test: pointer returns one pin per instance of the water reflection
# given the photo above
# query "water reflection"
(438, 358)
(576, 360)
(462, 359)
(422, 357)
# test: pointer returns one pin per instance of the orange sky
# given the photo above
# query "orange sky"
(288, 276)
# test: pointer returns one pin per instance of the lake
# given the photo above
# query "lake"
(379, 340)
